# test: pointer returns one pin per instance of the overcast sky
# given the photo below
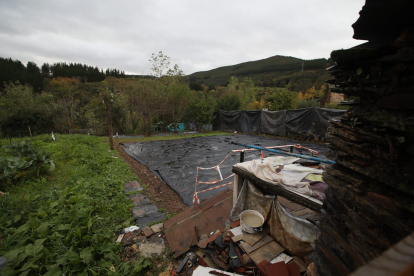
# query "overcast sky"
(197, 35)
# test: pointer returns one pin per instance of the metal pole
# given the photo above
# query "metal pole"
(288, 154)
(241, 156)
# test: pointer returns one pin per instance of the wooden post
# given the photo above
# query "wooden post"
(109, 119)
(241, 156)
(31, 137)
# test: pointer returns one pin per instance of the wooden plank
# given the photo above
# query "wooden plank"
(218, 214)
(176, 241)
(181, 216)
(250, 248)
(252, 238)
(204, 226)
(267, 252)
(272, 189)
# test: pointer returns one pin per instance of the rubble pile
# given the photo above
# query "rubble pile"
(369, 204)
(230, 251)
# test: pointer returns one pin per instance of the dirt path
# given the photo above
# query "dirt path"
(157, 191)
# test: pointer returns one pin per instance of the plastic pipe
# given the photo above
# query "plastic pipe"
(287, 153)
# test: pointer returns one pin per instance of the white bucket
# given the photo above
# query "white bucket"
(251, 217)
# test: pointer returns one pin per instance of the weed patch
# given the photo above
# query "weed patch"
(63, 222)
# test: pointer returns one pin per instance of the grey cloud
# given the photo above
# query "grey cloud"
(197, 35)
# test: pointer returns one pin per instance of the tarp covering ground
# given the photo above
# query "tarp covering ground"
(297, 121)
(176, 161)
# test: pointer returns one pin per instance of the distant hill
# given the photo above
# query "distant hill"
(276, 71)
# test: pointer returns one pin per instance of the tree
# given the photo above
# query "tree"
(145, 99)
(280, 99)
(107, 96)
(160, 63)
(202, 108)
(21, 108)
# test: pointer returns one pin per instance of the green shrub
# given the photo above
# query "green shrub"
(64, 222)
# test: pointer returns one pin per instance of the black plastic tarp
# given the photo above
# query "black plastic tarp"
(273, 122)
(312, 120)
(298, 121)
(238, 120)
(250, 121)
(176, 161)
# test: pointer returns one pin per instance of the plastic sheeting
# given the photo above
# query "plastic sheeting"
(238, 120)
(298, 121)
(310, 120)
(176, 161)
(273, 122)
(293, 233)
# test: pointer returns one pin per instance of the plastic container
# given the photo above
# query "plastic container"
(129, 229)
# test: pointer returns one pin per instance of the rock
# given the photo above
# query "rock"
(147, 232)
(144, 210)
(144, 221)
(139, 199)
(157, 227)
(132, 186)
(155, 246)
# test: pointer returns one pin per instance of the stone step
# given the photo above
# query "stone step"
(132, 186)
(139, 199)
(144, 210)
(144, 221)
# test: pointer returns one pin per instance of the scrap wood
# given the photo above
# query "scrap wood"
(252, 238)
(235, 224)
(214, 237)
(205, 271)
(300, 263)
(250, 248)
(206, 258)
(267, 252)
(281, 258)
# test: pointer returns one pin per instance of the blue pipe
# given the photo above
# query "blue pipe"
(287, 153)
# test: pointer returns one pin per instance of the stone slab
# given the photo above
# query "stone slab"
(144, 210)
(157, 227)
(133, 186)
(144, 221)
(139, 200)
(147, 231)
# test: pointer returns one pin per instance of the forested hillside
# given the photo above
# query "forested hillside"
(276, 71)
(68, 97)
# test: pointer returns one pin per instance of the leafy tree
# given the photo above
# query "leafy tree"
(21, 108)
(145, 99)
(229, 101)
(280, 99)
(202, 109)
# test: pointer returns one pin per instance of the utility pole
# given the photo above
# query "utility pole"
(302, 64)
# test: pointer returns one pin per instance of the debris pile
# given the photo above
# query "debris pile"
(231, 250)
(204, 236)
(369, 203)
